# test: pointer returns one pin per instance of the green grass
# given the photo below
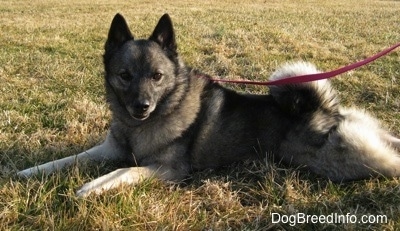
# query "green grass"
(52, 105)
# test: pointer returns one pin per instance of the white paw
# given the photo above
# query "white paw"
(129, 176)
(90, 188)
(28, 172)
(23, 173)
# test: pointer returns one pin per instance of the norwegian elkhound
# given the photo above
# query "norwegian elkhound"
(169, 120)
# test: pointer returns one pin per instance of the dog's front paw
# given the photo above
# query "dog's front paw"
(26, 173)
(23, 174)
(112, 180)
(89, 188)
(98, 186)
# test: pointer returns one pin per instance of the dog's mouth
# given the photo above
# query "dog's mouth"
(140, 112)
(140, 116)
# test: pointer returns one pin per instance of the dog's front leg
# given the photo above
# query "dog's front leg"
(128, 176)
(105, 151)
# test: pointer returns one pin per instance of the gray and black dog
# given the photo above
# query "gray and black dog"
(169, 120)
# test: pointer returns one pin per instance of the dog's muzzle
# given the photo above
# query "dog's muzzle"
(140, 110)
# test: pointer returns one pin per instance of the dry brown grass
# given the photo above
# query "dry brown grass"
(52, 106)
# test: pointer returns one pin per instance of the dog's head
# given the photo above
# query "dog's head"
(140, 73)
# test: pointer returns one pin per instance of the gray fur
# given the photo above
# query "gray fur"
(169, 120)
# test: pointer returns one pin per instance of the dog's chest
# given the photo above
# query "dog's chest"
(151, 139)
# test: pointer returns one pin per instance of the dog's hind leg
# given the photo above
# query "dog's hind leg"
(358, 149)
(392, 140)
(105, 151)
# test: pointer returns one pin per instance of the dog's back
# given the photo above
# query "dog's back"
(234, 127)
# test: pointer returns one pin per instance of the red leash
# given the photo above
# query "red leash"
(313, 77)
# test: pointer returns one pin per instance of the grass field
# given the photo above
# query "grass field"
(52, 105)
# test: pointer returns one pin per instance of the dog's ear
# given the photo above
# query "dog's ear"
(119, 33)
(164, 33)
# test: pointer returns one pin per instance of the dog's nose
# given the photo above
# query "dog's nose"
(142, 106)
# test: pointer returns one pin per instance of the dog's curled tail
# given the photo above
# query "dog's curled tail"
(297, 99)
(347, 143)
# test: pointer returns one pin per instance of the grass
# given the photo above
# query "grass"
(51, 105)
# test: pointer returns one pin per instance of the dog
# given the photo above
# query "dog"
(169, 120)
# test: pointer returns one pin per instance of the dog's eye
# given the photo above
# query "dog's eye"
(157, 76)
(125, 76)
